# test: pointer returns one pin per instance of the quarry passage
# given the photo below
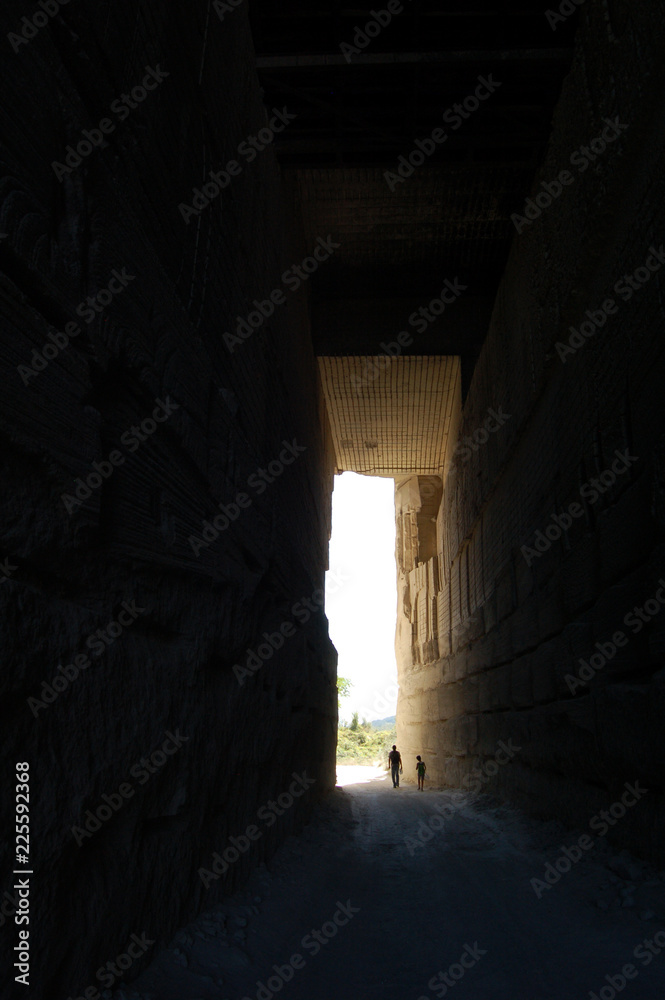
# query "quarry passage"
(211, 304)
(395, 895)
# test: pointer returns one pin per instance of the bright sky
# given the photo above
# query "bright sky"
(361, 593)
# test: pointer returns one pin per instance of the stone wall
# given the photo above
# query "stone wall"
(502, 605)
(171, 283)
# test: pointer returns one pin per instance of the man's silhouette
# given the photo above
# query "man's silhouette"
(395, 761)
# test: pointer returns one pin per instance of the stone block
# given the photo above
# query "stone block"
(625, 532)
(521, 682)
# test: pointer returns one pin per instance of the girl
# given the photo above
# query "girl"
(421, 768)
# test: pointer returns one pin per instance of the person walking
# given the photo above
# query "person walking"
(395, 761)
(420, 771)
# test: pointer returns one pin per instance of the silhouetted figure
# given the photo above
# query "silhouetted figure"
(395, 761)
(421, 767)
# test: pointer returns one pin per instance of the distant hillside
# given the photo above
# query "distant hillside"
(388, 723)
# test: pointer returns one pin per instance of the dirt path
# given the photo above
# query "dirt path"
(412, 905)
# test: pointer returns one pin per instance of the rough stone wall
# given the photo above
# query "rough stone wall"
(512, 621)
(71, 565)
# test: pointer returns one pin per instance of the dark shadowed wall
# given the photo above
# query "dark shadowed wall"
(149, 353)
(502, 602)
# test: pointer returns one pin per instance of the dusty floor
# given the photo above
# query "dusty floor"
(381, 897)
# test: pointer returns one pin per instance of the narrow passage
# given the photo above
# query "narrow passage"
(385, 896)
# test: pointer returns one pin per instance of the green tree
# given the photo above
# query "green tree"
(363, 746)
(344, 686)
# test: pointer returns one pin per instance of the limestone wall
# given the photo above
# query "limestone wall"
(172, 283)
(489, 624)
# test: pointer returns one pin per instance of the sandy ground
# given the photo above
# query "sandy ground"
(380, 897)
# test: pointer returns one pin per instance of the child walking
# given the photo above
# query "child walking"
(421, 768)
